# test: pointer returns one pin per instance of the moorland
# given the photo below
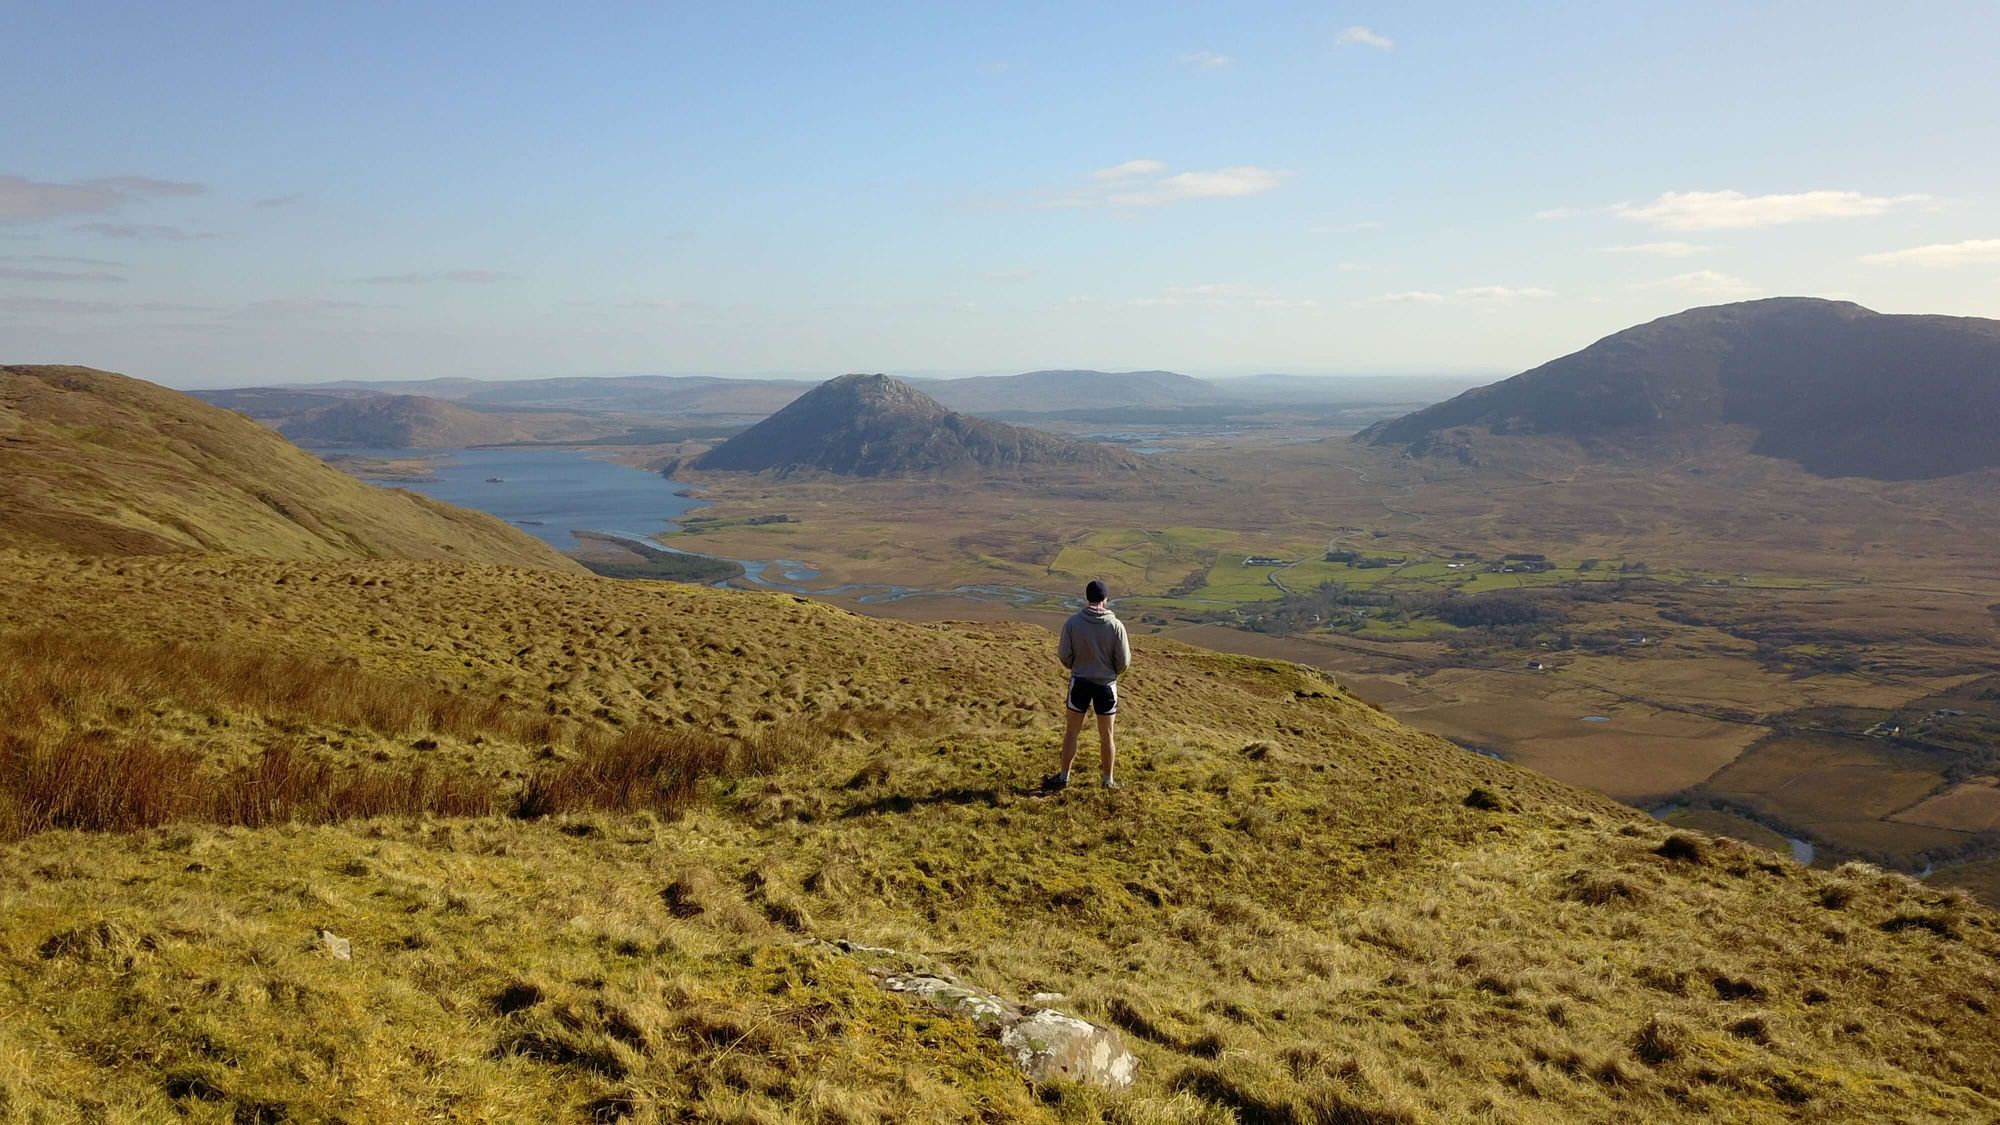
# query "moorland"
(297, 836)
(384, 840)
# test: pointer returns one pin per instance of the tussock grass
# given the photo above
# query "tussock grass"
(1291, 909)
(65, 764)
(55, 680)
(91, 784)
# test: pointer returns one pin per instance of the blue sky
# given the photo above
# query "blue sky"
(210, 194)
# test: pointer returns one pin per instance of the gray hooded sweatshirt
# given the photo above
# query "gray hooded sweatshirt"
(1093, 646)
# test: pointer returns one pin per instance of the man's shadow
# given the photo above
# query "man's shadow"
(902, 803)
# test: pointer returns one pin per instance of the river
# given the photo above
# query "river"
(1802, 850)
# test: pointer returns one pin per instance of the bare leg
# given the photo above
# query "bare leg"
(1069, 740)
(1107, 752)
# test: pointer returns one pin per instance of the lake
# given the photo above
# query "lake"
(552, 492)
(548, 493)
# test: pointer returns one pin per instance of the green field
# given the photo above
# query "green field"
(1139, 559)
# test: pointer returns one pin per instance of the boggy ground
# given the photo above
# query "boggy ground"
(1297, 911)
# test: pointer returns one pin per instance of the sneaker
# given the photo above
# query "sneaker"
(1112, 783)
(1055, 781)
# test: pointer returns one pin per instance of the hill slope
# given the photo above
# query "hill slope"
(97, 463)
(1832, 386)
(400, 422)
(872, 425)
(1297, 911)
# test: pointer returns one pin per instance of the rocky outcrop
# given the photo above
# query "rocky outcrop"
(1047, 1045)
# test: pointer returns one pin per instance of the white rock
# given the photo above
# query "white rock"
(340, 947)
(1049, 1045)
(1046, 1044)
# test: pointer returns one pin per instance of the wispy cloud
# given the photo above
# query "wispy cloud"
(23, 200)
(1560, 213)
(1343, 228)
(1976, 252)
(1488, 294)
(1008, 275)
(461, 277)
(253, 310)
(1144, 183)
(288, 308)
(61, 260)
(16, 273)
(1222, 183)
(1660, 249)
(1708, 283)
(1204, 60)
(1358, 36)
(1733, 210)
(146, 185)
(1223, 295)
(1503, 293)
(280, 200)
(55, 305)
(141, 232)
(1129, 170)
(1406, 297)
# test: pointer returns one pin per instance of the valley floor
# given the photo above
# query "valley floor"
(1701, 617)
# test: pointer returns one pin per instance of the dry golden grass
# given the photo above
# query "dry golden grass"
(1297, 910)
(75, 756)
(94, 462)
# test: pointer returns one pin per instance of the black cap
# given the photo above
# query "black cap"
(1095, 591)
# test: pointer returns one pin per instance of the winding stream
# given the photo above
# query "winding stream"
(1802, 850)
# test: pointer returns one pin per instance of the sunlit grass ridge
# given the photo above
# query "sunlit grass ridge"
(1297, 911)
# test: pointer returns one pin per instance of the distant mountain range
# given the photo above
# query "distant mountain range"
(1054, 391)
(97, 463)
(875, 426)
(1833, 387)
(400, 422)
(650, 395)
(705, 400)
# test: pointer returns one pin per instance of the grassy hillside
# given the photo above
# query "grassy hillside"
(1840, 390)
(401, 422)
(97, 463)
(589, 841)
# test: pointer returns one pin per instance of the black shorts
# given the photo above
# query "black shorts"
(1086, 694)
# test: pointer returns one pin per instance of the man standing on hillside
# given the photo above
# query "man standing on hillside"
(1094, 649)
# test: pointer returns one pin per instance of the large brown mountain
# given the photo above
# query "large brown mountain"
(1834, 387)
(873, 426)
(97, 463)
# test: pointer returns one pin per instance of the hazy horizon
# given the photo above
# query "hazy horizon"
(822, 376)
(208, 197)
